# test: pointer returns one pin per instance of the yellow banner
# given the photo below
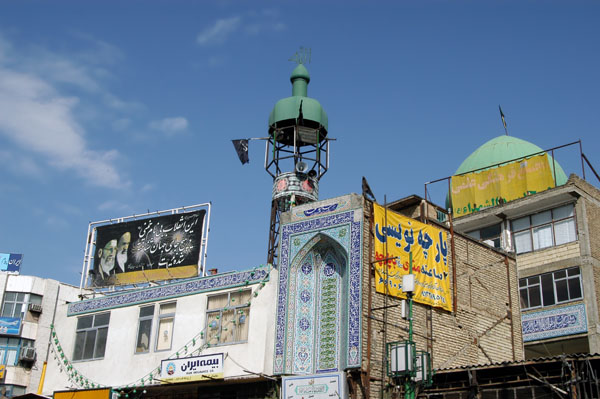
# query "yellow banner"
(475, 191)
(394, 242)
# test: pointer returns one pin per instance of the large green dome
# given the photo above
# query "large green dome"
(502, 149)
(506, 148)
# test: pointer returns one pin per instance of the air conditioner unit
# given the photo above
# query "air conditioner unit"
(27, 354)
(33, 307)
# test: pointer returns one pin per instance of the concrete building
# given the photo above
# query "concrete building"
(555, 235)
(134, 341)
(28, 311)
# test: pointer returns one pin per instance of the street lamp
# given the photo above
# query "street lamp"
(423, 369)
(404, 361)
(401, 358)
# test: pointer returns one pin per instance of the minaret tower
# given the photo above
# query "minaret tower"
(297, 152)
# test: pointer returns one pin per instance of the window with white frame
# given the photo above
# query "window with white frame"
(490, 235)
(550, 288)
(227, 317)
(15, 303)
(90, 338)
(166, 321)
(545, 229)
(10, 347)
(144, 329)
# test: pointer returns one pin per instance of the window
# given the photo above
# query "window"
(166, 319)
(10, 349)
(90, 338)
(144, 329)
(15, 303)
(490, 235)
(545, 229)
(550, 288)
(227, 317)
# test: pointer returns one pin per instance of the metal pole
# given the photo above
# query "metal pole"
(454, 282)
(409, 386)
(582, 156)
(84, 270)
(554, 168)
(385, 297)
(207, 230)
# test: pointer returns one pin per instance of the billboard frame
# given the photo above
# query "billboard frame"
(90, 245)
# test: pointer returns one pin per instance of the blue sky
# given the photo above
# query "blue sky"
(109, 108)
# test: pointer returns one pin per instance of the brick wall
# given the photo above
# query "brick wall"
(485, 328)
(593, 220)
(554, 254)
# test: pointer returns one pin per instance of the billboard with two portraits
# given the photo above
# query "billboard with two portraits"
(156, 248)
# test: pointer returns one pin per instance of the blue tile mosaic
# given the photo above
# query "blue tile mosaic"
(187, 287)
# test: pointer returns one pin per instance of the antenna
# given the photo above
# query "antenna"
(301, 56)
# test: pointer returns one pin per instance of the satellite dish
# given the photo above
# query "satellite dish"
(301, 167)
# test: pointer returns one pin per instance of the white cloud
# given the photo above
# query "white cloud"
(61, 70)
(252, 24)
(170, 126)
(99, 52)
(40, 120)
(219, 31)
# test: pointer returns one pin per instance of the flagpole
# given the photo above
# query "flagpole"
(503, 120)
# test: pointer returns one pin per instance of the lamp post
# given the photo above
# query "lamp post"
(405, 362)
(408, 286)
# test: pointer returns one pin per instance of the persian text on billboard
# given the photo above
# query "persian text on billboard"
(475, 191)
(159, 248)
(197, 368)
(10, 262)
(398, 236)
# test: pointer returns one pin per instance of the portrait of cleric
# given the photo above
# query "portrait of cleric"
(111, 258)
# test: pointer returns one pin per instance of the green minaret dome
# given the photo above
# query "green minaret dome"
(506, 148)
(299, 109)
(300, 72)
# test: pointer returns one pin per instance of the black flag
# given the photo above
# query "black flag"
(300, 115)
(241, 147)
(367, 190)
(503, 120)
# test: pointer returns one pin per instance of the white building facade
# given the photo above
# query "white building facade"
(128, 340)
(28, 311)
